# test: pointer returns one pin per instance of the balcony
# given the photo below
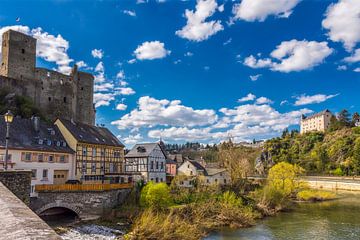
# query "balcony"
(81, 187)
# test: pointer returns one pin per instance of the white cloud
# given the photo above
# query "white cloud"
(125, 91)
(263, 100)
(130, 13)
(249, 97)
(97, 53)
(343, 22)
(154, 112)
(293, 55)
(133, 139)
(181, 133)
(81, 64)
(99, 67)
(244, 122)
(284, 102)
(357, 69)
(121, 107)
(221, 8)
(188, 54)
(341, 68)
(227, 42)
(103, 87)
(318, 98)
(259, 10)
(197, 28)
(123, 83)
(353, 58)
(131, 61)
(151, 50)
(103, 99)
(252, 62)
(49, 47)
(255, 77)
(120, 75)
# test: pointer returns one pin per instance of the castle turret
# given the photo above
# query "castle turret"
(18, 55)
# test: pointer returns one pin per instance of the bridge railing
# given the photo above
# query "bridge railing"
(81, 187)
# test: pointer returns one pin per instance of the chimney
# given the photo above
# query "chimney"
(36, 122)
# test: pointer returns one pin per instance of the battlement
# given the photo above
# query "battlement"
(56, 94)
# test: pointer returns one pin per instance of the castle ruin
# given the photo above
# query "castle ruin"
(54, 93)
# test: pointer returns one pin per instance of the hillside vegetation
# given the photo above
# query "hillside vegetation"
(335, 152)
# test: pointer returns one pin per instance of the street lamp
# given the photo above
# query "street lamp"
(9, 117)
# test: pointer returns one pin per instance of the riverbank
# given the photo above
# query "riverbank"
(332, 220)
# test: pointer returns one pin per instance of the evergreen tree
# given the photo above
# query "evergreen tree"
(344, 118)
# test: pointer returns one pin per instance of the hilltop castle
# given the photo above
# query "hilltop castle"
(54, 93)
(317, 122)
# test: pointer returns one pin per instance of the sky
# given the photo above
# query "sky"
(201, 70)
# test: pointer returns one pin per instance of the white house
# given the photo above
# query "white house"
(40, 148)
(192, 169)
(146, 161)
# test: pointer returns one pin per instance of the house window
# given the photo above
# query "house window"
(51, 158)
(93, 167)
(157, 165)
(207, 180)
(84, 167)
(45, 174)
(94, 152)
(62, 158)
(152, 165)
(225, 181)
(157, 180)
(162, 166)
(40, 157)
(27, 156)
(188, 165)
(191, 173)
(84, 150)
(33, 173)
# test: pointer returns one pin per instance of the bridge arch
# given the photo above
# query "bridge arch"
(68, 206)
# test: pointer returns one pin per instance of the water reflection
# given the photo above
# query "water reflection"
(332, 220)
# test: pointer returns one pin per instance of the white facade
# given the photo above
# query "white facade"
(318, 122)
(46, 167)
(188, 169)
(208, 175)
(151, 167)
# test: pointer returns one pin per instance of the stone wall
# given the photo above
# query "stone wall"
(19, 222)
(18, 182)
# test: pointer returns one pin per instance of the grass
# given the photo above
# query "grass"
(315, 195)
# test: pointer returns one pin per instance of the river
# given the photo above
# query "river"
(330, 220)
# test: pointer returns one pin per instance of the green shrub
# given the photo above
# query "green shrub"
(338, 172)
(315, 195)
(155, 196)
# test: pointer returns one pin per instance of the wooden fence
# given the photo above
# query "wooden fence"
(81, 187)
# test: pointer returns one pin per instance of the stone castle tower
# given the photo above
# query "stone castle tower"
(56, 94)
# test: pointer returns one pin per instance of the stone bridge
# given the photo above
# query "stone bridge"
(88, 203)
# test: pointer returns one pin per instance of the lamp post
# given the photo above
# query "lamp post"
(9, 117)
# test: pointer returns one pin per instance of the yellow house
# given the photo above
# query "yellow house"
(99, 154)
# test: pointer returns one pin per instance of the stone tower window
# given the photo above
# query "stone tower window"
(64, 99)
(22, 51)
(49, 99)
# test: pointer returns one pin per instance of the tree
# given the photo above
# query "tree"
(344, 118)
(356, 157)
(155, 195)
(285, 133)
(334, 124)
(355, 118)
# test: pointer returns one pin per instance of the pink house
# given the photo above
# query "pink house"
(170, 170)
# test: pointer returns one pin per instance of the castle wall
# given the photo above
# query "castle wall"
(55, 94)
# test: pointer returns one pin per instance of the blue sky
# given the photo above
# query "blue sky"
(201, 70)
